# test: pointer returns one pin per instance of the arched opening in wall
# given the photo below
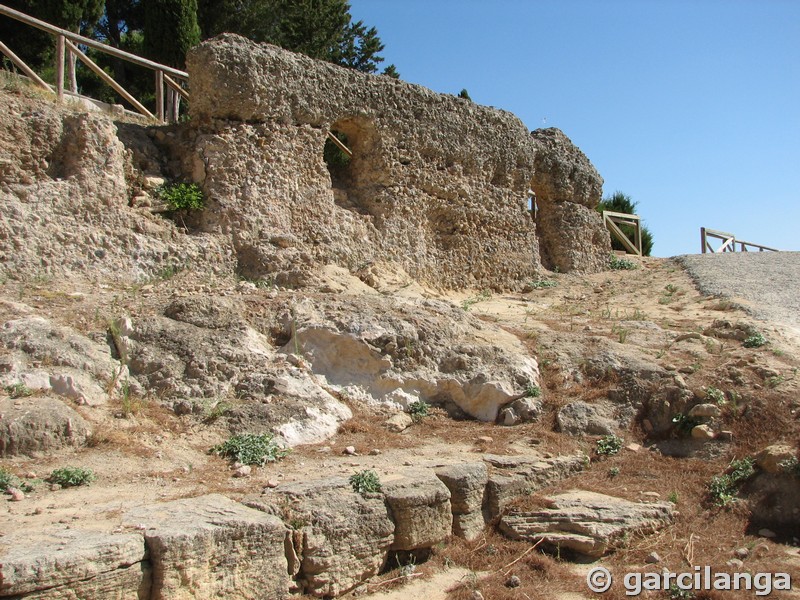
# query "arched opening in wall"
(352, 165)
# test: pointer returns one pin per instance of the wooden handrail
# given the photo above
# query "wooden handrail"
(729, 242)
(79, 39)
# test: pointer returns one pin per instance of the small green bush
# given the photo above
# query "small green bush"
(7, 480)
(543, 284)
(419, 410)
(181, 196)
(533, 391)
(609, 445)
(722, 489)
(365, 482)
(684, 424)
(72, 476)
(790, 466)
(251, 449)
(617, 263)
(19, 390)
(756, 340)
(715, 395)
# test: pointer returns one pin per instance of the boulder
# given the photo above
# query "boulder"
(771, 457)
(341, 538)
(211, 546)
(705, 411)
(420, 508)
(585, 522)
(179, 358)
(467, 485)
(581, 418)
(513, 476)
(69, 564)
(39, 424)
(392, 349)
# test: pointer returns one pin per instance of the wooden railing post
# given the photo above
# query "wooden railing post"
(703, 247)
(160, 95)
(60, 39)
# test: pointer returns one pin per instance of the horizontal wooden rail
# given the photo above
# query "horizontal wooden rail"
(81, 40)
(729, 242)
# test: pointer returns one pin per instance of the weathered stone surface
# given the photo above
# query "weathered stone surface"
(39, 424)
(375, 347)
(74, 363)
(512, 476)
(578, 418)
(342, 538)
(706, 411)
(774, 503)
(586, 522)
(71, 564)
(572, 238)
(180, 359)
(212, 546)
(65, 190)
(771, 457)
(399, 422)
(563, 172)
(420, 508)
(467, 485)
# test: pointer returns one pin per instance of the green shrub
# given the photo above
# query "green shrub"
(181, 196)
(755, 340)
(722, 489)
(616, 263)
(7, 480)
(365, 482)
(684, 424)
(19, 390)
(790, 466)
(251, 449)
(543, 283)
(419, 410)
(609, 445)
(72, 476)
(715, 395)
(533, 391)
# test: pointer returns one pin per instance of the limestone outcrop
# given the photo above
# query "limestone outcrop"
(340, 538)
(69, 564)
(212, 546)
(586, 522)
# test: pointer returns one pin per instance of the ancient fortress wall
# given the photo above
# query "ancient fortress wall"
(436, 183)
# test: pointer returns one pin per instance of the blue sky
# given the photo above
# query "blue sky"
(690, 107)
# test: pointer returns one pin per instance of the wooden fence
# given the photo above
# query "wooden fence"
(729, 242)
(170, 83)
(612, 221)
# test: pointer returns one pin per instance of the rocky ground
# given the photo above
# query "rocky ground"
(623, 418)
(600, 340)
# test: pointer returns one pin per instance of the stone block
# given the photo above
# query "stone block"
(212, 546)
(420, 509)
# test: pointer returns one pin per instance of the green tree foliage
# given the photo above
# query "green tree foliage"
(36, 47)
(170, 29)
(464, 94)
(622, 203)
(321, 29)
(391, 71)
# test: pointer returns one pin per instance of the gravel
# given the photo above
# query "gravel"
(766, 284)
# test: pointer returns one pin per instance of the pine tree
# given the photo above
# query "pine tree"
(170, 29)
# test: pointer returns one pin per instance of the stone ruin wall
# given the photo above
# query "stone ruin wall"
(436, 184)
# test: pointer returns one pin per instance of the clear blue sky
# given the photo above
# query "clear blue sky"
(691, 107)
